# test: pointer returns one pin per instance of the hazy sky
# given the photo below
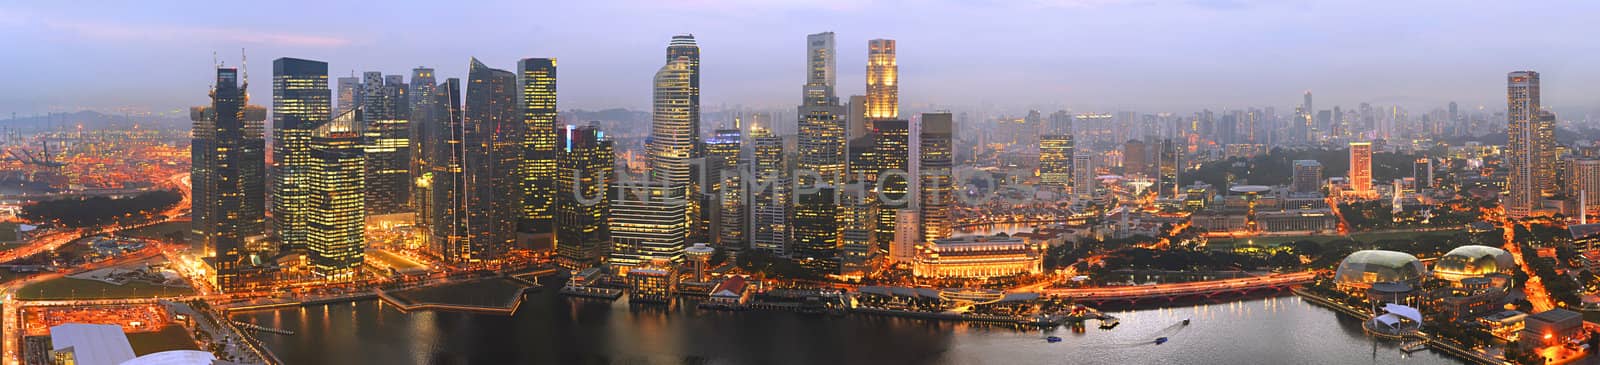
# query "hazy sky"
(1147, 55)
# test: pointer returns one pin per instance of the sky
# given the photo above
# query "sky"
(1087, 55)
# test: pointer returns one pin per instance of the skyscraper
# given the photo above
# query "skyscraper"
(891, 160)
(822, 129)
(335, 195)
(903, 248)
(427, 120)
(349, 94)
(730, 218)
(821, 63)
(1055, 160)
(1531, 146)
(858, 229)
(1307, 176)
(684, 47)
(300, 104)
(937, 158)
(1361, 167)
(485, 195)
(1084, 182)
(649, 220)
(672, 138)
(816, 231)
(227, 166)
(536, 80)
(883, 80)
(385, 138)
(447, 176)
(1167, 166)
(584, 169)
(1583, 184)
(770, 193)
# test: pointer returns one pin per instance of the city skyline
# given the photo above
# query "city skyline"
(1036, 59)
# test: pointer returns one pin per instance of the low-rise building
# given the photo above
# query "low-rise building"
(978, 257)
(733, 291)
(1550, 328)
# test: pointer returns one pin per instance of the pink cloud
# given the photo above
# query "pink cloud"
(109, 31)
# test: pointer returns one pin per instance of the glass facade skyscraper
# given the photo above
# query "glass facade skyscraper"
(536, 98)
(300, 104)
(226, 174)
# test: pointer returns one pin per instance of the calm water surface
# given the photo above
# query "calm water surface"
(550, 329)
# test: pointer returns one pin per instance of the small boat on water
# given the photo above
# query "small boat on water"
(1109, 323)
(1161, 340)
(1052, 339)
(1186, 321)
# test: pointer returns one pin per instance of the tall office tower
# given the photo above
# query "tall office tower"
(1522, 148)
(857, 124)
(349, 94)
(1227, 128)
(649, 220)
(672, 137)
(1060, 123)
(1135, 158)
(1455, 120)
(1307, 176)
(822, 128)
(426, 121)
(883, 80)
(335, 197)
(385, 138)
(857, 224)
(446, 177)
(536, 98)
(1583, 183)
(1250, 123)
(371, 81)
(300, 104)
(476, 191)
(1055, 160)
(684, 47)
(1167, 166)
(1084, 182)
(906, 239)
(1324, 123)
(227, 169)
(770, 194)
(722, 160)
(821, 63)
(585, 172)
(816, 229)
(891, 155)
(1422, 172)
(936, 155)
(1361, 167)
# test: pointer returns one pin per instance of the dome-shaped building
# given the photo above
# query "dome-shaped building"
(1473, 261)
(1362, 268)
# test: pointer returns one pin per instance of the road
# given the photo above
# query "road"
(1189, 288)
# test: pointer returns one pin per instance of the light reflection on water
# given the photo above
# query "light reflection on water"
(558, 330)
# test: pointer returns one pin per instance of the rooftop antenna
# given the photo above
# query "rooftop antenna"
(244, 65)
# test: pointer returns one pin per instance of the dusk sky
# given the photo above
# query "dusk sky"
(1089, 55)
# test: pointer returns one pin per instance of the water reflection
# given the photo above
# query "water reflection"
(550, 329)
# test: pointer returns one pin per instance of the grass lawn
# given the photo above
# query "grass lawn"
(488, 293)
(69, 288)
(172, 337)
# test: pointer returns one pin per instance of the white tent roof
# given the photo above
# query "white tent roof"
(92, 344)
(1388, 319)
(1404, 311)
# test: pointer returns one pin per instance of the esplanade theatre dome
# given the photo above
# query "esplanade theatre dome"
(1472, 261)
(1362, 268)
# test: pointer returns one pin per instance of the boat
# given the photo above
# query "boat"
(1109, 323)
(1161, 340)
(1052, 339)
(1186, 321)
